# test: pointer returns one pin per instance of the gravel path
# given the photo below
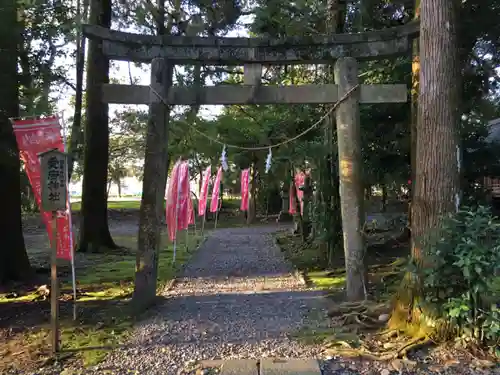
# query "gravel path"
(237, 298)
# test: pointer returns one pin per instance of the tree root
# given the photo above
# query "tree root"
(365, 307)
(414, 344)
(365, 317)
(363, 352)
(388, 334)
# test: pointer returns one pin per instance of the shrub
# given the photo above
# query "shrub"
(460, 272)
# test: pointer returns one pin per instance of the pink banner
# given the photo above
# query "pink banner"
(179, 204)
(35, 136)
(245, 182)
(171, 203)
(300, 179)
(190, 210)
(183, 198)
(202, 202)
(189, 202)
(214, 204)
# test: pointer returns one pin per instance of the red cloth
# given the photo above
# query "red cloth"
(179, 204)
(299, 181)
(202, 205)
(172, 202)
(245, 182)
(214, 205)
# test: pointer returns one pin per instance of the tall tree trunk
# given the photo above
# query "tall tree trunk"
(384, 198)
(437, 175)
(94, 230)
(252, 207)
(415, 72)
(335, 24)
(307, 201)
(368, 192)
(200, 180)
(76, 128)
(14, 262)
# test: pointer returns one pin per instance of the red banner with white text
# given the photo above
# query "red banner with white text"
(245, 182)
(35, 136)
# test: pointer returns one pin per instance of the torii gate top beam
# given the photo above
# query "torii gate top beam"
(123, 46)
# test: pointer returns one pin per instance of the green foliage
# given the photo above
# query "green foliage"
(28, 202)
(47, 28)
(459, 277)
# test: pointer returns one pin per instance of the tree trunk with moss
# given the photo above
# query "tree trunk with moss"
(14, 262)
(415, 72)
(330, 186)
(94, 228)
(307, 201)
(436, 174)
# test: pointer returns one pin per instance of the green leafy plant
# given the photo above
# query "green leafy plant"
(459, 275)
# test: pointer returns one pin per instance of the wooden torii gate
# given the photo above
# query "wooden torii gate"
(165, 51)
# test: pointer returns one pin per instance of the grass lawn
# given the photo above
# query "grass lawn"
(112, 205)
(104, 284)
(384, 265)
(229, 203)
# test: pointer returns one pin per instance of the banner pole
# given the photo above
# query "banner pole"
(54, 290)
(70, 219)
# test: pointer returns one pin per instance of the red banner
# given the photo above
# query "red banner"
(245, 182)
(214, 205)
(35, 136)
(300, 179)
(202, 202)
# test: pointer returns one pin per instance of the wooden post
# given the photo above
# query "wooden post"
(53, 166)
(54, 289)
(350, 175)
(154, 182)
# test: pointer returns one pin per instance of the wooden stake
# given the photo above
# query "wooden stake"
(54, 289)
